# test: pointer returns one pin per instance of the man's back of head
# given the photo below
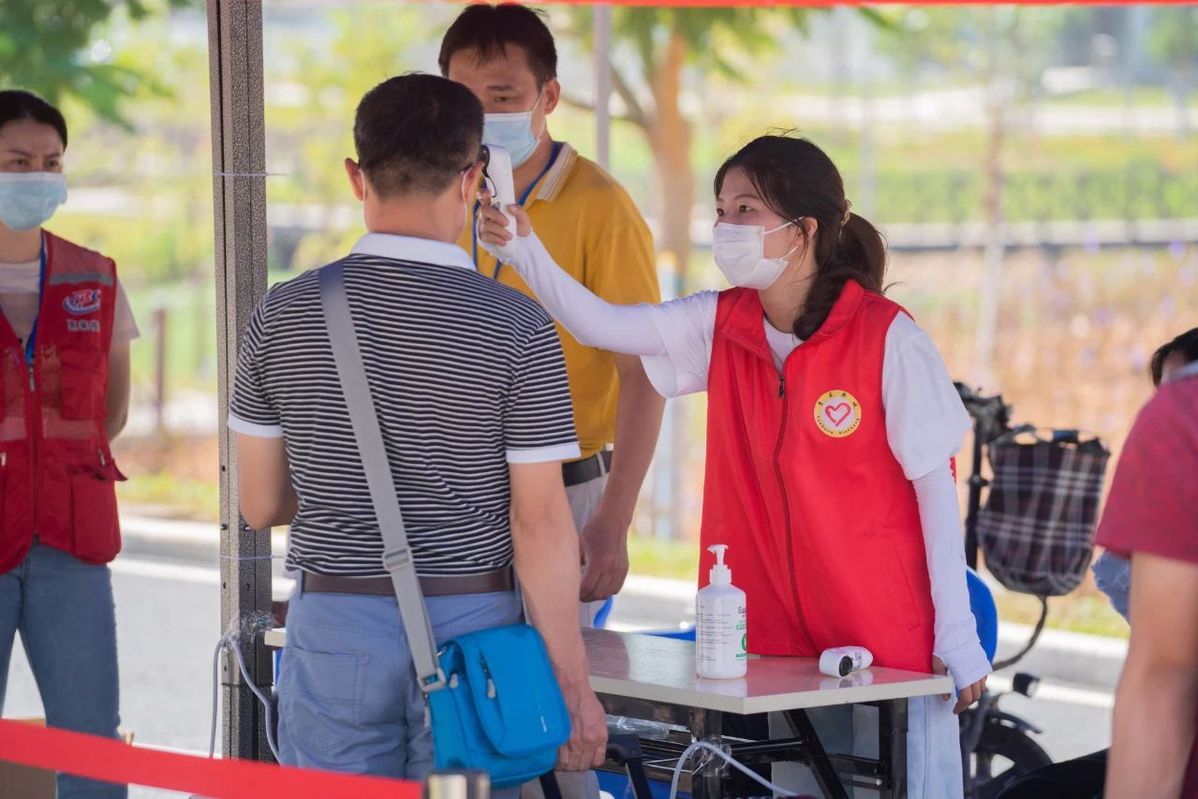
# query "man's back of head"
(418, 139)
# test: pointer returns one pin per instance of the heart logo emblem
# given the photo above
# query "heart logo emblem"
(838, 413)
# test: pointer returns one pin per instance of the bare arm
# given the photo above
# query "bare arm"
(605, 538)
(264, 488)
(118, 390)
(1158, 693)
(546, 549)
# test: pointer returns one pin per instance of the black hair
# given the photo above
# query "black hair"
(489, 29)
(1186, 344)
(18, 104)
(796, 180)
(415, 133)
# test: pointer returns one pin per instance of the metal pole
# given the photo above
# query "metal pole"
(602, 44)
(239, 197)
(160, 369)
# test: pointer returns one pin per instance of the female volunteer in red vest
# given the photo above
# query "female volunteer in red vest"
(831, 424)
(64, 341)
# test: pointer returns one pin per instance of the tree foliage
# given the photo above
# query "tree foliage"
(47, 46)
(1173, 38)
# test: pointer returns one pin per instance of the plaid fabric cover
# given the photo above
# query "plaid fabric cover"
(1037, 527)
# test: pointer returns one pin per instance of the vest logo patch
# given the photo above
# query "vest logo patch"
(838, 414)
(82, 302)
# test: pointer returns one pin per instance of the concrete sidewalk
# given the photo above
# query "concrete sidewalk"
(656, 603)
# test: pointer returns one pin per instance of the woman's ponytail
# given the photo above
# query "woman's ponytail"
(856, 251)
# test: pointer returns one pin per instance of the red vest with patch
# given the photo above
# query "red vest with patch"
(822, 525)
(56, 471)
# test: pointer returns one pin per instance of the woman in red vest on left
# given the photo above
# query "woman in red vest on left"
(64, 343)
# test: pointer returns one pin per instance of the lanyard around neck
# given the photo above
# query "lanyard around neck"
(31, 340)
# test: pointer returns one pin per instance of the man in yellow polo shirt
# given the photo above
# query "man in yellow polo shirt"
(506, 55)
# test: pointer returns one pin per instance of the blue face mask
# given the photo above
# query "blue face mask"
(513, 132)
(29, 199)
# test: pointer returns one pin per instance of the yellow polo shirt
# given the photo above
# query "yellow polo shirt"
(594, 231)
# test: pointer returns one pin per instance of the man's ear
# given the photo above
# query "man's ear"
(474, 177)
(357, 181)
(552, 95)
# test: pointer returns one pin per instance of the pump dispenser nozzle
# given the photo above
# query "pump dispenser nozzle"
(720, 574)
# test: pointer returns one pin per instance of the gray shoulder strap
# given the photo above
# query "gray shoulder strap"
(397, 556)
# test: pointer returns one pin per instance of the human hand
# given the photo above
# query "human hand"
(965, 696)
(587, 747)
(604, 549)
(493, 224)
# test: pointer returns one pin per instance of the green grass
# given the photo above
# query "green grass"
(1141, 95)
(1078, 612)
(656, 557)
(164, 494)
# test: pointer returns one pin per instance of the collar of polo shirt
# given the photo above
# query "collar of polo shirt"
(408, 248)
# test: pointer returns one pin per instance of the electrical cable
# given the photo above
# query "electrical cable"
(696, 746)
(231, 641)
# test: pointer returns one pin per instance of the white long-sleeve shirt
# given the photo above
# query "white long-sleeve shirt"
(925, 420)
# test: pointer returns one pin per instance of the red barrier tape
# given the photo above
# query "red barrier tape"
(114, 761)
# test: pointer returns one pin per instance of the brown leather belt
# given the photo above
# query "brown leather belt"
(486, 583)
(586, 470)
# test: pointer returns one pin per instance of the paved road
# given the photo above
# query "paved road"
(168, 623)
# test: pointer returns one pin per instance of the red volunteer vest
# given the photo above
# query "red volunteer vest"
(56, 471)
(822, 525)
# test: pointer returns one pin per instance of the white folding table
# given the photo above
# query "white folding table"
(649, 677)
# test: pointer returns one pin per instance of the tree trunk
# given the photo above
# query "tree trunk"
(669, 135)
(989, 299)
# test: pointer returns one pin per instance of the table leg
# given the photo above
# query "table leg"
(706, 724)
(825, 772)
(892, 747)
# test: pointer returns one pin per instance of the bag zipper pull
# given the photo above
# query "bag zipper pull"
(3, 459)
(103, 462)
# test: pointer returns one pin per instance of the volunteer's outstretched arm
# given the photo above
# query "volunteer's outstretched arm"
(627, 329)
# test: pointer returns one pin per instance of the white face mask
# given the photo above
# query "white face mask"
(513, 132)
(29, 199)
(739, 252)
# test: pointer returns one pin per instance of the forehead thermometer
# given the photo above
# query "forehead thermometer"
(498, 172)
(843, 661)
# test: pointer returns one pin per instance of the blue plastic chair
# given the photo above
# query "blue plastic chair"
(604, 612)
(985, 612)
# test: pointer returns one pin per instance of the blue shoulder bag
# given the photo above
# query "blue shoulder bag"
(494, 701)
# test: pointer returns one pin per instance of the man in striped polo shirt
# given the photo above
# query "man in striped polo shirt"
(472, 399)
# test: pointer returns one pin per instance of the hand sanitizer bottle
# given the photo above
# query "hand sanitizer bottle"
(720, 627)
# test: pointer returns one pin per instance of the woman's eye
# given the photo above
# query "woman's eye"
(744, 209)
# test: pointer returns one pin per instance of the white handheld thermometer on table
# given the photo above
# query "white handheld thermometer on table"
(499, 171)
(844, 660)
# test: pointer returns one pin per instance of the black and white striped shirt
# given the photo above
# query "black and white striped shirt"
(467, 377)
